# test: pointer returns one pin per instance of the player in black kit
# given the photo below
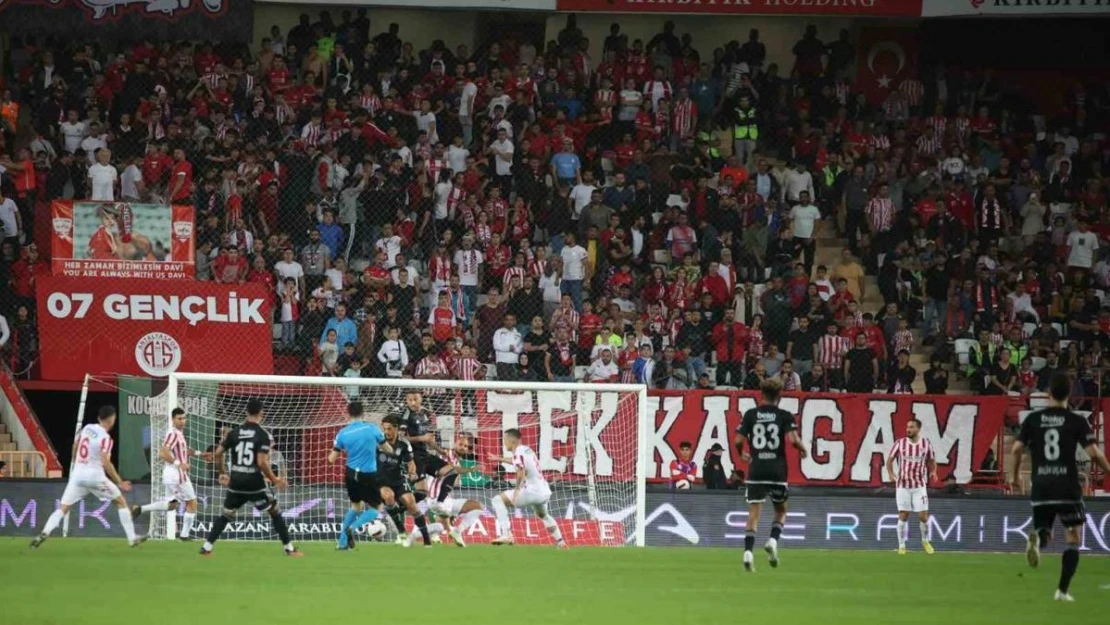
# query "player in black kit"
(1052, 436)
(249, 445)
(395, 467)
(416, 423)
(766, 430)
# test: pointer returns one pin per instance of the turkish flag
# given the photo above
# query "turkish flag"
(887, 56)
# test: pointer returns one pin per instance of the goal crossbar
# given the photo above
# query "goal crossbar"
(176, 380)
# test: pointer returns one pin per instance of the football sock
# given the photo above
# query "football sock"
(1070, 563)
(171, 524)
(187, 524)
(218, 526)
(434, 528)
(156, 506)
(422, 525)
(776, 531)
(53, 522)
(348, 521)
(504, 529)
(553, 528)
(398, 516)
(924, 527)
(749, 540)
(128, 525)
(1044, 535)
(282, 530)
(902, 529)
(469, 518)
(368, 515)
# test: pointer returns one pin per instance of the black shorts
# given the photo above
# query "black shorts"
(757, 493)
(399, 488)
(362, 487)
(1070, 514)
(430, 465)
(261, 500)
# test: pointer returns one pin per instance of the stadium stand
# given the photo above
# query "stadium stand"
(703, 219)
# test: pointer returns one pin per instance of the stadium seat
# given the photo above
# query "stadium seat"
(1059, 327)
(1027, 329)
(963, 348)
(1038, 363)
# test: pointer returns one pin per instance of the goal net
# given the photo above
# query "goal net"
(590, 440)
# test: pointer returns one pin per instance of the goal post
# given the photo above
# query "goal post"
(592, 441)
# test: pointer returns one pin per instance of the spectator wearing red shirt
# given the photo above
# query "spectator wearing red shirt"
(442, 319)
(715, 285)
(25, 272)
(230, 267)
(683, 469)
(730, 340)
(260, 274)
(156, 165)
(181, 178)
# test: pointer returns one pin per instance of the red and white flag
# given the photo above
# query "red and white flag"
(887, 57)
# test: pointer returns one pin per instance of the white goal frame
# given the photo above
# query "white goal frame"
(642, 425)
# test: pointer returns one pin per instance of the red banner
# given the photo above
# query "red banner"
(151, 327)
(848, 434)
(887, 58)
(122, 240)
(860, 8)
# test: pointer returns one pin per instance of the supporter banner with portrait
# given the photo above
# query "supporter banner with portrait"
(229, 21)
(151, 327)
(122, 240)
(1013, 8)
(848, 434)
(860, 8)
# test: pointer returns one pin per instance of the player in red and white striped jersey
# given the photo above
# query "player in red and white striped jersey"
(439, 500)
(917, 465)
(175, 477)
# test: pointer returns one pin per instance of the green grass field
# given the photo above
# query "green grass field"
(103, 582)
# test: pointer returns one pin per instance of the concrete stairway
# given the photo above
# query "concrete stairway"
(829, 246)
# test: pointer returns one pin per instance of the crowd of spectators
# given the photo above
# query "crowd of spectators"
(648, 215)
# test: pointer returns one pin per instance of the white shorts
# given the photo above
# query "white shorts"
(83, 484)
(178, 489)
(530, 495)
(912, 499)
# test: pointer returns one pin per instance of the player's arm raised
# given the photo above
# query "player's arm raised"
(796, 441)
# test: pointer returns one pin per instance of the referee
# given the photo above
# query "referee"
(361, 441)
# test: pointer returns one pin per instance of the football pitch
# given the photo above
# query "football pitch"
(98, 581)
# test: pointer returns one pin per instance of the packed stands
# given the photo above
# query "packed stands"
(630, 211)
